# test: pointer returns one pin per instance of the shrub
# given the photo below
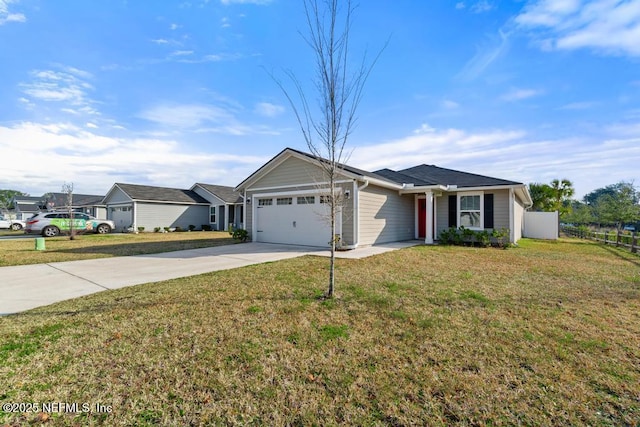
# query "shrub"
(157, 229)
(178, 229)
(501, 237)
(140, 229)
(166, 229)
(239, 234)
(206, 227)
(192, 227)
(468, 237)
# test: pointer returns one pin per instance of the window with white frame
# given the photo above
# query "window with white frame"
(265, 202)
(470, 214)
(284, 201)
(306, 200)
(212, 214)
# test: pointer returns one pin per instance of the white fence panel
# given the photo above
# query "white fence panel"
(541, 225)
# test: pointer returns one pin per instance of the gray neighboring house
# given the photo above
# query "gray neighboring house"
(132, 205)
(87, 203)
(283, 203)
(226, 205)
(26, 206)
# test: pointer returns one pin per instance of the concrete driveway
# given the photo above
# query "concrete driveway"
(29, 286)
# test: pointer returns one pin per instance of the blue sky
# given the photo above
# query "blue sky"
(172, 93)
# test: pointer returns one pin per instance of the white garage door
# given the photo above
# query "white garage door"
(293, 219)
(122, 216)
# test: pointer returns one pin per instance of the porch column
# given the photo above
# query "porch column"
(428, 239)
(226, 217)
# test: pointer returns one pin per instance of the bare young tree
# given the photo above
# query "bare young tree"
(67, 190)
(339, 89)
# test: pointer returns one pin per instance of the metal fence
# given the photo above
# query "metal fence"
(615, 238)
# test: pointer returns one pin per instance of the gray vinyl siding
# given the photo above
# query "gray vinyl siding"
(208, 196)
(442, 214)
(117, 196)
(500, 208)
(518, 212)
(347, 215)
(385, 216)
(151, 215)
(292, 172)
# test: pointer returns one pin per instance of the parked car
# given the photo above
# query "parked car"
(629, 228)
(51, 224)
(11, 224)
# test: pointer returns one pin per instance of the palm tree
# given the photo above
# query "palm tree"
(561, 192)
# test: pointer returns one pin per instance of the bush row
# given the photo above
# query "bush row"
(467, 237)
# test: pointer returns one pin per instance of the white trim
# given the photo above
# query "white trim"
(488, 188)
(294, 193)
(511, 215)
(458, 209)
(428, 232)
(279, 187)
(423, 189)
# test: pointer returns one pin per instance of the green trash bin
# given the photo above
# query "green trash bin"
(40, 244)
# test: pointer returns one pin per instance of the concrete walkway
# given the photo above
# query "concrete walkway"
(29, 286)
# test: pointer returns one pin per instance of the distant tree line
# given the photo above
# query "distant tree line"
(615, 205)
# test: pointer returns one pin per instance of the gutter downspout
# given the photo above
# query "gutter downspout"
(356, 212)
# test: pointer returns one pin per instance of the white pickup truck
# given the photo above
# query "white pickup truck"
(12, 224)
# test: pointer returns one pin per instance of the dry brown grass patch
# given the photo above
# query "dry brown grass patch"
(539, 335)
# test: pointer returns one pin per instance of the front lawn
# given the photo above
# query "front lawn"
(89, 246)
(544, 334)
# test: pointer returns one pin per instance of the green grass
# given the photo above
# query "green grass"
(544, 334)
(90, 246)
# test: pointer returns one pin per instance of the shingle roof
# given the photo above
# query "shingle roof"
(434, 175)
(224, 193)
(60, 199)
(161, 194)
(27, 207)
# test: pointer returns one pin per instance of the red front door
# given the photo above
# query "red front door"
(422, 218)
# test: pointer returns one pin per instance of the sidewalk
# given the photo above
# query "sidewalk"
(29, 286)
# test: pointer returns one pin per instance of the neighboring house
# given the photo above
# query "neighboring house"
(131, 205)
(283, 203)
(226, 205)
(87, 203)
(26, 206)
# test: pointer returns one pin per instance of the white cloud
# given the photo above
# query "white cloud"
(607, 26)
(513, 154)
(174, 27)
(182, 53)
(460, 5)
(186, 116)
(7, 16)
(449, 104)
(485, 55)
(520, 94)
(268, 109)
(578, 106)
(203, 118)
(68, 85)
(66, 153)
(481, 6)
